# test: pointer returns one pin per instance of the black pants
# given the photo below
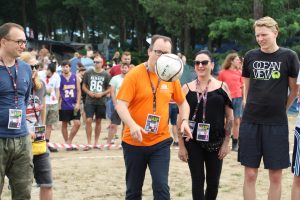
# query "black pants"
(157, 158)
(199, 161)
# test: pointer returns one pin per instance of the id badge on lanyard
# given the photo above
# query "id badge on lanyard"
(203, 132)
(40, 132)
(15, 119)
(152, 123)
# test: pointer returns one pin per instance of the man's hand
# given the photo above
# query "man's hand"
(136, 132)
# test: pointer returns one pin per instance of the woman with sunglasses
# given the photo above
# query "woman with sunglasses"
(210, 121)
(35, 117)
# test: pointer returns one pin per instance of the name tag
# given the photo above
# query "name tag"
(203, 132)
(152, 123)
(15, 119)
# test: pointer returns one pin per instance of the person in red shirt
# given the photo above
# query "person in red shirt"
(125, 59)
(232, 76)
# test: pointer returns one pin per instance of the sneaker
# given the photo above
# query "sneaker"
(52, 149)
(235, 145)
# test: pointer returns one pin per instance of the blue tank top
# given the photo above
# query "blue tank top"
(68, 92)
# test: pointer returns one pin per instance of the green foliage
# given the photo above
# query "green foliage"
(239, 30)
(296, 48)
(211, 22)
(173, 14)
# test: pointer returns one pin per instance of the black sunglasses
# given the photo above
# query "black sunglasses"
(204, 62)
(97, 62)
(36, 66)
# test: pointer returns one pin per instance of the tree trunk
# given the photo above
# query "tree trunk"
(24, 15)
(258, 9)
(187, 38)
(85, 29)
(123, 35)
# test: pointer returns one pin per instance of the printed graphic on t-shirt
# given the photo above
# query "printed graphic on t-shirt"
(96, 83)
(266, 70)
(33, 104)
(69, 91)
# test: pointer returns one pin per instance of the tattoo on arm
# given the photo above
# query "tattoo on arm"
(228, 127)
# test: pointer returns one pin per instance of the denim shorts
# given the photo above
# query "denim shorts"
(16, 164)
(173, 111)
(296, 153)
(270, 142)
(42, 170)
(237, 104)
(109, 108)
(115, 118)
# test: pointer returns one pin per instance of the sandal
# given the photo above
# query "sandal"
(87, 148)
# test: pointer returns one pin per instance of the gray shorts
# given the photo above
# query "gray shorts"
(51, 114)
(42, 170)
(270, 142)
(98, 110)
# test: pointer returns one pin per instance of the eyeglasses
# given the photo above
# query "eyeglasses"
(159, 52)
(203, 63)
(19, 42)
(36, 66)
(97, 62)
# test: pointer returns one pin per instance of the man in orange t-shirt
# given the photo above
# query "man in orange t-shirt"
(143, 105)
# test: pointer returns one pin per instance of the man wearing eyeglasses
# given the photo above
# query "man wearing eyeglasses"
(143, 105)
(96, 86)
(15, 87)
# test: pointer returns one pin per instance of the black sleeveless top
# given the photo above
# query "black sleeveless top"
(214, 115)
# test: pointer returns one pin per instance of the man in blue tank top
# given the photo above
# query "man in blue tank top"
(15, 86)
(69, 101)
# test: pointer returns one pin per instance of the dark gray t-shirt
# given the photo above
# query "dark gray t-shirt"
(96, 82)
(268, 89)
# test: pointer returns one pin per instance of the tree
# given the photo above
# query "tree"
(177, 16)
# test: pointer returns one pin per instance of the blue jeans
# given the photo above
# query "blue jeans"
(157, 158)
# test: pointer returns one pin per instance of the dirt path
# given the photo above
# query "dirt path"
(100, 175)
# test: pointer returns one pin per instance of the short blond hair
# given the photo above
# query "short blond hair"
(268, 22)
(26, 56)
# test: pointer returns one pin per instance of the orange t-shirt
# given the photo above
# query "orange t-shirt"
(234, 80)
(136, 90)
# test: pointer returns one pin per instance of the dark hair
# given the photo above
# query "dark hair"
(156, 37)
(52, 67)
(5, 28)
(206, 52)
(65, 62)
(80, 65)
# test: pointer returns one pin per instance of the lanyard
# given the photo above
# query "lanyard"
(199, 97)
(34, 108)
(153, 90)
(14, 81)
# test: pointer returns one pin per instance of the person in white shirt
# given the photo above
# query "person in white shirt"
(52, 82)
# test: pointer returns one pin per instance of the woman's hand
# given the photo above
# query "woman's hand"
(224, 150)
(183, 154)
